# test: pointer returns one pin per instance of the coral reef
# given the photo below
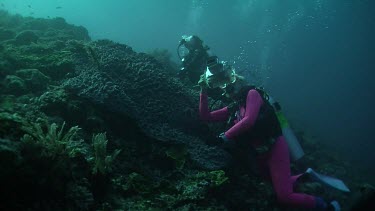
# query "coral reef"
(69, 106)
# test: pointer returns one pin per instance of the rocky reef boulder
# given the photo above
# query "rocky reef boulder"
(14, 85)
(26, 38)
(6, 34)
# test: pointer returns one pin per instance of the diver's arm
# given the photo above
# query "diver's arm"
(206, 115)
(253, 103)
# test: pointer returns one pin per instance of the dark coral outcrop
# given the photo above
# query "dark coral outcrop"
(134, 84)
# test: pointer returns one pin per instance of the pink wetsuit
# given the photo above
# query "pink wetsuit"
(275, 162)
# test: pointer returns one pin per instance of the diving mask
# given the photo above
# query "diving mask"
(221, 79)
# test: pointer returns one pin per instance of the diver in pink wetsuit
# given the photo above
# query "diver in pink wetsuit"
(253, 114)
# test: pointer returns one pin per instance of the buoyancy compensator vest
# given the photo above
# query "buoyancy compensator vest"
(266, 127)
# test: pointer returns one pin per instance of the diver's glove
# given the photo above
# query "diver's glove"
(203, 83)
(223, 138)
(225, 142)
(219, 140)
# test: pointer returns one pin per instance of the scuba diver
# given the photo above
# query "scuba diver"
(195, 58)
(254, 123)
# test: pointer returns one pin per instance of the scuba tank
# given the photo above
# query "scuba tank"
(295, 149)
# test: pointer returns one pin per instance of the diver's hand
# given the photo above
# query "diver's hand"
(223, 138)
(203, 83)
(226, 143)
(217, 140)
(202, 80)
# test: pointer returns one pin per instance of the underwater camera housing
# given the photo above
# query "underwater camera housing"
(214, 66)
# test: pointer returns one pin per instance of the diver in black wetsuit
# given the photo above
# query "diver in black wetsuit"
(194, 62)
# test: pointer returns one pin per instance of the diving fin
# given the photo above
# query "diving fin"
(327, 180)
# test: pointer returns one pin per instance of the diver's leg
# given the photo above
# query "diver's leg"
(281, 178)
(295, 179)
